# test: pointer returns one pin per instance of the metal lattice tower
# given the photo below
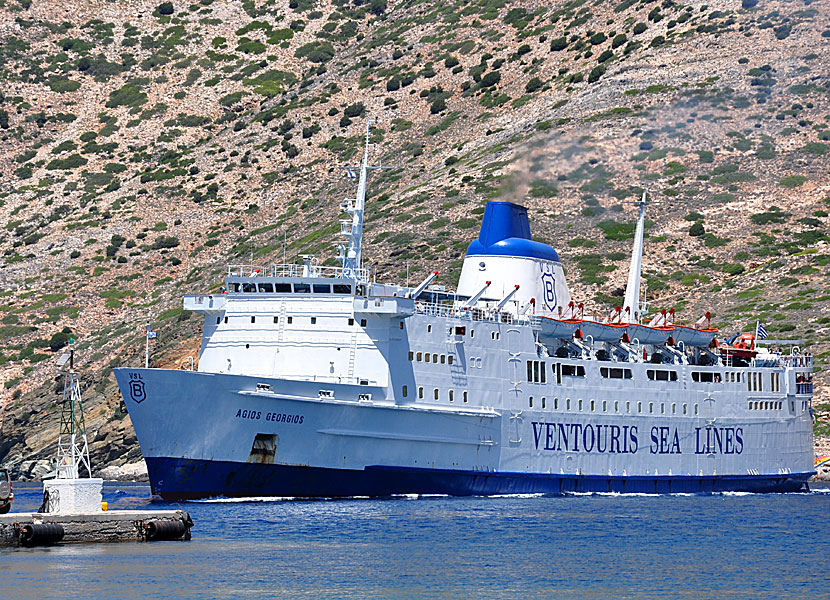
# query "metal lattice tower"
(73, 449)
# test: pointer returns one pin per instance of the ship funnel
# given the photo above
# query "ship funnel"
(505, 255)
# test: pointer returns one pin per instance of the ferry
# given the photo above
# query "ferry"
(318, 381)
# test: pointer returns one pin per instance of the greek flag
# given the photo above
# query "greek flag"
(762, 332)
(151, 335)
(351, 173)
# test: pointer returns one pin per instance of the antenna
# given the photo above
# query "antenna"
(352, 257)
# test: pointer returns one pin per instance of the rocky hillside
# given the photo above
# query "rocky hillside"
(145, 146)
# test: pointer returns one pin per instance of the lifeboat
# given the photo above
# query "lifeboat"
(602, 332)
(742, 346)
(646, 334)
(551, 328)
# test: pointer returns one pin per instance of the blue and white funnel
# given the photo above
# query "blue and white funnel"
(505, 255)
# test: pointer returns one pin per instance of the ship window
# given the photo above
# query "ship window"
(313, 320)
(573, 370)
(684, 408)
(429, 328)
(449, 359)
(460, 330)
(662, 408)
(544, 401)
(351, 321)
(530, 370)
(695, 408)
(443, 359)
(266, 288)
(418, 357)
(703, 377)
(302, 288)
(363, 322)
(290, 320)
(435, 393)
(226, 320)
(339, 288)
(556, 404)
(628, 407)
(435, 358)
(400, 324)
(420, 393)
(249, 287)
(234, 287)
(426, 356)
(253, 319)
(673, 408)
(451, 396)
(404, 391)
(530, 401)
(639, 407)
(580, 404)
(614, 373)
(651, 407)
(465, 395)
(660, 375)
(592, 406)
(472, 333)
(411, 355)
(568, 404)
(218, 319)
(276, 319)
(321, 288)
(282, 288)
(750, 406)
(616, 406)
(604, 406)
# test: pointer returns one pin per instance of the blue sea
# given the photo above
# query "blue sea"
(579, 546)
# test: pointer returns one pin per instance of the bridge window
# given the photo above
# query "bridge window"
(249, 288)
(339, 288)
(321, 288)
(302, 288)
(266, 288)
(282, 288)
(536, 371)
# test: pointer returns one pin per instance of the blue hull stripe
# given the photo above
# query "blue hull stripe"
(180, 479)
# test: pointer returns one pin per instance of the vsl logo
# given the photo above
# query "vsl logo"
(137, 392)
(549, 291)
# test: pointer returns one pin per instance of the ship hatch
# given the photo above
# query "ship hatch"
(264, 448)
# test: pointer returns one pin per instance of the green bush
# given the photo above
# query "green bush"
(596, 73)
(165, 241)
(127, 95)
(696, 229)
(354, 110)
(165, 8)
(316, 52)
(63, 85)
(792, 181)
(640, 28)
(72, 161)
(534, 85)
(558, 44)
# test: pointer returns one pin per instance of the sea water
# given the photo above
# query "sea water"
(579, 546)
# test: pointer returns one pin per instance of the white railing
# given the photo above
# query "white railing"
(437, 309)
(291, 270)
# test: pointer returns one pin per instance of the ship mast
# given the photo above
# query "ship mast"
(352, 257)
(632, 289)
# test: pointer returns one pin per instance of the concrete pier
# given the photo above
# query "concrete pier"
(104, 526)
